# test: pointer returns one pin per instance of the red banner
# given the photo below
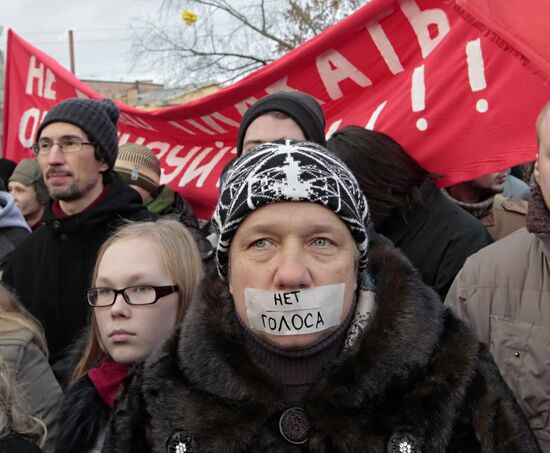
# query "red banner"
(412, 68)
(516, 25)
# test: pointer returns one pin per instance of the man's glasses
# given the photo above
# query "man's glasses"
(66, 145)
(133, 295)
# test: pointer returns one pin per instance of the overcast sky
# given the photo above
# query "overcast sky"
(102, 33)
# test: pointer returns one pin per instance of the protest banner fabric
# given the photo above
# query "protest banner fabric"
(515, 25)
(415, 69)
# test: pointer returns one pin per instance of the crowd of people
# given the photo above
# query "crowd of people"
(337, 301)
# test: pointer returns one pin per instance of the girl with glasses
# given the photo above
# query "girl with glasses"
(142, 283)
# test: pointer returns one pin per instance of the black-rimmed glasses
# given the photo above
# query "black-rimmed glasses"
(133, 295)
(66, 145)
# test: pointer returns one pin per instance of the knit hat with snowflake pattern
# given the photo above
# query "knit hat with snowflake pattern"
(289, 171)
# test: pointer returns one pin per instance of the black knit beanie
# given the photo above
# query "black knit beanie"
(98, 119)
(301, 107)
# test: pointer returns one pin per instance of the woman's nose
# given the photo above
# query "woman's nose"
(292, 269)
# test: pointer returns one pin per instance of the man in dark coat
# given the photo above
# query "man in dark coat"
(318, 337)
(434, 233)
(76, 145)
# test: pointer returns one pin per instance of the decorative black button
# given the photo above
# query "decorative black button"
(63, 236)
(294, 426)
(56, 224)
(179, 442)
(403, 443)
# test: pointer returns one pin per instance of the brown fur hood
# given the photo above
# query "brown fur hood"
(417, 375)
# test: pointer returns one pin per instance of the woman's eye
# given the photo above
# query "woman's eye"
(141, 289)
(321, 242)
(261, 243)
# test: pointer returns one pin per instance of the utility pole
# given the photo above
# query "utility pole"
(2, 69)
(71, 50)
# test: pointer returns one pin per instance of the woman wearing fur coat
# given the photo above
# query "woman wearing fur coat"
(318, 337)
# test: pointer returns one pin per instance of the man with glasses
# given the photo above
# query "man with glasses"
(77, 146)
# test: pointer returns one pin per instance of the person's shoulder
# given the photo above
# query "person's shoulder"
(509, 205)
(16, 337)
(446, 209)
(467, 228)
(162, 359)
(15, 234)
(13, 342)
(33, 241)
(121, 202)
(17, 443)
(516, 188)
(502, 256)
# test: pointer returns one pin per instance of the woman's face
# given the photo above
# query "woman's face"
(130, 332)
(289, 246)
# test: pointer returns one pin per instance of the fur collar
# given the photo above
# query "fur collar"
(82, 418)
(478, 210)
(414, 354)
(538, 214)
(397, 321)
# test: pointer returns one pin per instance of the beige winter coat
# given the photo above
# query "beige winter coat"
(34, 377)
(503, 292)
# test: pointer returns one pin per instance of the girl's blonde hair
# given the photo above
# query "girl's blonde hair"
(13, 415)
(182, 262)
(13, 317)
(14, 418)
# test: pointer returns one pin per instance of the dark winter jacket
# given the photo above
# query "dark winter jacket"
(170, 204)
(416, 380)
(51, 270)
(15, 443)
(437, 237)
(13, 228)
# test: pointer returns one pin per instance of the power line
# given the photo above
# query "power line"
(83, 41)
(80, 31)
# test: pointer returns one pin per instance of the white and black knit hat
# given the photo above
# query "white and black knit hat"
(289, 171)
(98, 119)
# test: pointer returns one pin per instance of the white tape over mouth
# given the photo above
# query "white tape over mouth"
(296, 312)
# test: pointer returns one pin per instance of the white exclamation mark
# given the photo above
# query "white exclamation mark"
(476, 72)
(418, 96)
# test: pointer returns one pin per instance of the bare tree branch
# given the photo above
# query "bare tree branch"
(230, 38)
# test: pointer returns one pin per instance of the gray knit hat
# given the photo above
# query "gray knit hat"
(137, 164)
(27, 172)
(289, 171)
(301, 107)
(98, 119)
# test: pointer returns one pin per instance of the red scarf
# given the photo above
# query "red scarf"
(107, 378)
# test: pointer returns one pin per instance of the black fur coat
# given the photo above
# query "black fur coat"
(417, 381)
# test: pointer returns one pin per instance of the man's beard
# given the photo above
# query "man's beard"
(71, 193)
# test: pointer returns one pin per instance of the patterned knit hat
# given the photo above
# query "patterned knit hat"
(301, 107)
(289, 171)
(28, 172)
(138, 165)
(98, 119)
